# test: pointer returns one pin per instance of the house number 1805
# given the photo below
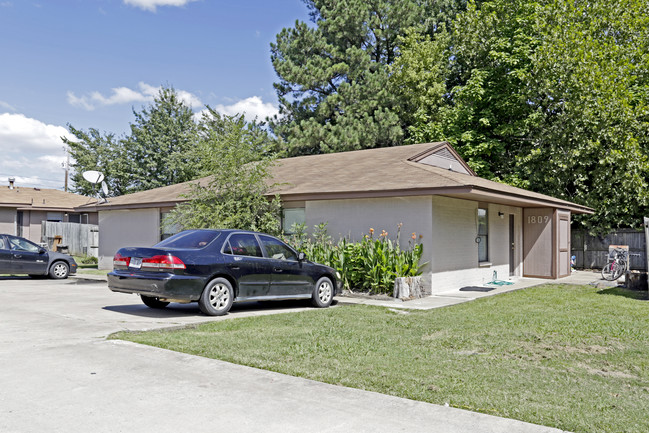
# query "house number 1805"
(538, 219)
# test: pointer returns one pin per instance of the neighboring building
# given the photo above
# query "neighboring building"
(470, 226)
(23, 209)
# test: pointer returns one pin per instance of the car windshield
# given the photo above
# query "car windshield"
(193, 239)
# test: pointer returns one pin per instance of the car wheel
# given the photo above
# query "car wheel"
(59, 270)
(152, 302)
(217, 297)
(323, 293)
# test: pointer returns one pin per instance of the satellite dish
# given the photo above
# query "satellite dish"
(93, 176)
(104, 188)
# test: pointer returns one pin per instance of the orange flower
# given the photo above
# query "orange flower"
(371, 231)
(414, 236)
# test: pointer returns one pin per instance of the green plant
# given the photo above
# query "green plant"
(89, 260)
(370, 265)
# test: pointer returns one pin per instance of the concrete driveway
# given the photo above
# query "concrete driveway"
(59, 374)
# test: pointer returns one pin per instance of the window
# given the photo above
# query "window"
(276, 249)
(19, 244)
(292, 217)
(167, 229)
(194, 239)
(483, 235)
(2, 244)
(242, 244)
(55, 216)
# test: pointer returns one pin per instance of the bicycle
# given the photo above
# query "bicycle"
(617, 264)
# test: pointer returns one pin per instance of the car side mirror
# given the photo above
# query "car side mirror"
(42, 251)
(301, 256)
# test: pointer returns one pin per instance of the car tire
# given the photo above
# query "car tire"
(59, 270)
(217, 297)
(323, 293)
(152, 302)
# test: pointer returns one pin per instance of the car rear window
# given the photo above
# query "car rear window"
(192, 239)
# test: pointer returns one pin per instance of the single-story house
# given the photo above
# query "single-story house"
(22, 209)
(471, 228)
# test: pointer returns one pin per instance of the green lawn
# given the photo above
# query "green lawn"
(570, 357)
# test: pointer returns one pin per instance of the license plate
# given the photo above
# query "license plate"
(136, 262)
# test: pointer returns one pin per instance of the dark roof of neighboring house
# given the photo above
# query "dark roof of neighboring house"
(381, 172)
(45, 199)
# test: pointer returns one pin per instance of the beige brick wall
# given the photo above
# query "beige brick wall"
(8, 221)
(126, 228)
(455, 252)
(354, 217)
(448, 226)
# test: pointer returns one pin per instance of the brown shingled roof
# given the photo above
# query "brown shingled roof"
(41, 198)
(380, 172)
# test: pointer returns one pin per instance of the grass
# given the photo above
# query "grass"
(570, 357)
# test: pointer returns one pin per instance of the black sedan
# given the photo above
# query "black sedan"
(20, 256)
(219, 267)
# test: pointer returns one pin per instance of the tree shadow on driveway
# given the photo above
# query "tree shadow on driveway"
(175, 310)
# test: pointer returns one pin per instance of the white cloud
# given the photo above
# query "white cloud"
(125, 95)
(6, 106)
(151, 5)
(32, 151)
(18, 132)
(252, 108)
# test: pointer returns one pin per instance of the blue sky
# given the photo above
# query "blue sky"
(89, 63)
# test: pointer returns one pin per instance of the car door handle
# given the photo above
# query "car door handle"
(233, 266)
(278, 270)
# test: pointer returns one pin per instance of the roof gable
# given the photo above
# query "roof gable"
(443, 155)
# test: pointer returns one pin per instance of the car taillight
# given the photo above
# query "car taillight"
(120, 260)
(163, 262)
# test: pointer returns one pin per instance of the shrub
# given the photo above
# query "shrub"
(370, 265)
(89, 260)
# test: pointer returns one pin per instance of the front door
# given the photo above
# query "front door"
(512, 246)
(563, 243)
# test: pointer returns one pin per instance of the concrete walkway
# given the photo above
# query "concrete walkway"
(458, 296)
(59, 374)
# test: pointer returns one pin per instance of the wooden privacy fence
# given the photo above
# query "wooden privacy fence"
(81, 239)
(591, 252)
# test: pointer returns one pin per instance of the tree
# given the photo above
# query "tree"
(479, 95)
(333, 89)
(161, 143)
(235, 155)
(93, 150)
(590, 83)
(548, 96)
